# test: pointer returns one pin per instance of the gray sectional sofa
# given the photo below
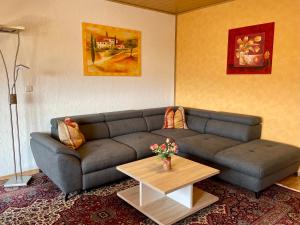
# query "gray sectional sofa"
(228, 141)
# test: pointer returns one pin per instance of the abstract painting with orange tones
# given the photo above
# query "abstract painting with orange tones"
(111, 51)
(250, 49)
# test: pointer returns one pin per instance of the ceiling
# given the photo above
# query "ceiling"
(171, 6)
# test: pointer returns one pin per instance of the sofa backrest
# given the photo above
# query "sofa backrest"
(235, 126)
(154, 118)
(197, 119)
(111, 124)
(231, 125)
(92, 126)
(125, 122)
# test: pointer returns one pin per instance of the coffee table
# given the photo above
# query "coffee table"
(167, 196)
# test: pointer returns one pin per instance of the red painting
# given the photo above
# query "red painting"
(250, 49)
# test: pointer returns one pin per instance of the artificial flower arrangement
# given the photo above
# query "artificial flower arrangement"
(249, 51)
(165, 151)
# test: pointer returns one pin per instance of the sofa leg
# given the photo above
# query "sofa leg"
(67, 196)
(257, 194)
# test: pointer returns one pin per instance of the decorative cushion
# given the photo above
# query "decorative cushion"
(169, 118)
(179, 119)
(69, 133)
(174, 120)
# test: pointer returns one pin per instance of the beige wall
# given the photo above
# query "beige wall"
(201, 79)
(52, 47)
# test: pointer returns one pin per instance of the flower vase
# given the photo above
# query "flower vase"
(167, 164)
(242, 61)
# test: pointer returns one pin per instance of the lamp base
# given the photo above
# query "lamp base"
(17, 181)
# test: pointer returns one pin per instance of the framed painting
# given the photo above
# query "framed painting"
(250, 49)
(111, 51)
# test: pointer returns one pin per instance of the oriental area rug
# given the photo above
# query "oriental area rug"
(43, 203)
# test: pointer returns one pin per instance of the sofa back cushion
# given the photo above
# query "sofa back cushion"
(125, 122)
(94, 131)
(154, 118)
(235, 126)
(196, 123)
(92, 126)
(236, 118)
(196, 119)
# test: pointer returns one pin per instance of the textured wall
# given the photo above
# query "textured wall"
(201, 79)
(51, 46)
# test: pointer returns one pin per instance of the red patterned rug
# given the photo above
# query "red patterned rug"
(42, 203)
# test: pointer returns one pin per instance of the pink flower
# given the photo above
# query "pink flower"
(166, 149)
(154, 146)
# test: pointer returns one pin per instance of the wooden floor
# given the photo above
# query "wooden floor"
(292, 182)
(166, 211)
(25, 173)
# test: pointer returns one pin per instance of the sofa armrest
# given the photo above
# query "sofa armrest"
(53, 145)
(61, 165)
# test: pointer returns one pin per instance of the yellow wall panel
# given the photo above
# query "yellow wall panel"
(201, 79)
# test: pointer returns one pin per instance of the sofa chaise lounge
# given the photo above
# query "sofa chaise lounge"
(228, 141)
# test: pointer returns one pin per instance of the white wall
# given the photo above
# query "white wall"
(52, 47)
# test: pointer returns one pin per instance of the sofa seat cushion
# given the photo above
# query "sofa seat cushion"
(205, 146)
(175, 133)
(104, 153)
(259, 158)
(140, 142)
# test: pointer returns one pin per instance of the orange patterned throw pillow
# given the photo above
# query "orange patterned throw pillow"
(179, 119)
(69, 133)
(169, 118)
(174, 120)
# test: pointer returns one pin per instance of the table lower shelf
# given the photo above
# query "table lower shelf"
(166, 211)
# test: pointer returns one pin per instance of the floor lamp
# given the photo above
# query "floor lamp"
(16, 180)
